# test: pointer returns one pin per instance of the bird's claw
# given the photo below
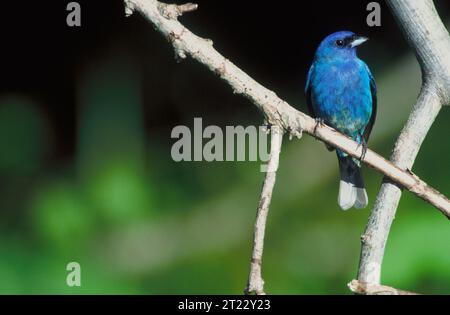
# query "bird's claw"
(319, 122)
(364, 146)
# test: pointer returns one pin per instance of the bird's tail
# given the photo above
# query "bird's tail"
(351, 187)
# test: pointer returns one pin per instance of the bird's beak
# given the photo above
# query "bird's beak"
(358, 41)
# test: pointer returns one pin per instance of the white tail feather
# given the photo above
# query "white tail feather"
(361, 198)
(347, 195)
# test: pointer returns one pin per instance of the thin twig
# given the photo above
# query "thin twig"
(255, 281)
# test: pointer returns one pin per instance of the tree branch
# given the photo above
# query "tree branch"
(431, 43)
(255, 282)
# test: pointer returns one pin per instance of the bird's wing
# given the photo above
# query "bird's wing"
(309, 101)
(373, 91)
(308, 93)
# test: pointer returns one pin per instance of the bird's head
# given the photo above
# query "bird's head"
(340, 45)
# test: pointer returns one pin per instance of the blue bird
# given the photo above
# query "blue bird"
(341, 92)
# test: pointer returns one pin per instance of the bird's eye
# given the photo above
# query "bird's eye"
(339, 43)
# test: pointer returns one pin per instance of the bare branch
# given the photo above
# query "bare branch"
(169, 11)
(431, 43)
(375, 289)
(429, 39)
(173, 11)
(255, 281)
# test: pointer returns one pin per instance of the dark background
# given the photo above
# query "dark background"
(86, 174)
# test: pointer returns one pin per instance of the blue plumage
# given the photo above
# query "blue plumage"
(341, 91)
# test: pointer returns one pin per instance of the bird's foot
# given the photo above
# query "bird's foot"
(319, 122)
(364, 146)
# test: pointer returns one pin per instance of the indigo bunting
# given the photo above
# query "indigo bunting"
(341, 92)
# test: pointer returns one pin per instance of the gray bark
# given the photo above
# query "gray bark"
(431, 42)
